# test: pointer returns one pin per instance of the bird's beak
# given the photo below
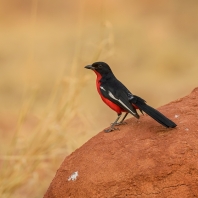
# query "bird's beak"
(89, 67)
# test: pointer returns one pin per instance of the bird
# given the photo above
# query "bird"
(120, 99)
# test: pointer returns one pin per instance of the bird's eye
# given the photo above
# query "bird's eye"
(99, 66)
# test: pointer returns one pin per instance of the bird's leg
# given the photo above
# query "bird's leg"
(122, 121)
(141, 111)
(111, 128)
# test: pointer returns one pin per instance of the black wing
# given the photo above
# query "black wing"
(116, 92)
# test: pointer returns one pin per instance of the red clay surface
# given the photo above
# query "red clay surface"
(143, 159)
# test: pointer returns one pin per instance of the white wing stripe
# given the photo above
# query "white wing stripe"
(102, 88)
(112, 96)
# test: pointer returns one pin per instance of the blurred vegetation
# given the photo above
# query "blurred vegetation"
(49, 105)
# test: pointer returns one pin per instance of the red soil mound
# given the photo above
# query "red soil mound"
(143, 159)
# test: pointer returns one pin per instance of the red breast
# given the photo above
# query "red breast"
(106, 101)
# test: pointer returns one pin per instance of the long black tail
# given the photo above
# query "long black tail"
(156, 115)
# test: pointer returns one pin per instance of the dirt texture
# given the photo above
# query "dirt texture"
(143, 159)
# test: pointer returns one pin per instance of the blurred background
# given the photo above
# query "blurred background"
(48, 102)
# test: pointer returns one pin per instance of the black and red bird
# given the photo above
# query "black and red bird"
(120, 99)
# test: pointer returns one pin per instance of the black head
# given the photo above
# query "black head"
(100, 67)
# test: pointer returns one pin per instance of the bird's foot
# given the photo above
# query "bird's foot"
(119, 123)
(110, 129)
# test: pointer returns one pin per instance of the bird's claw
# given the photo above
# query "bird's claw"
(110, 129)
(119, 123)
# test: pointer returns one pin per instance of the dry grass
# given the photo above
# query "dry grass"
(49, 105)
(46, 141)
